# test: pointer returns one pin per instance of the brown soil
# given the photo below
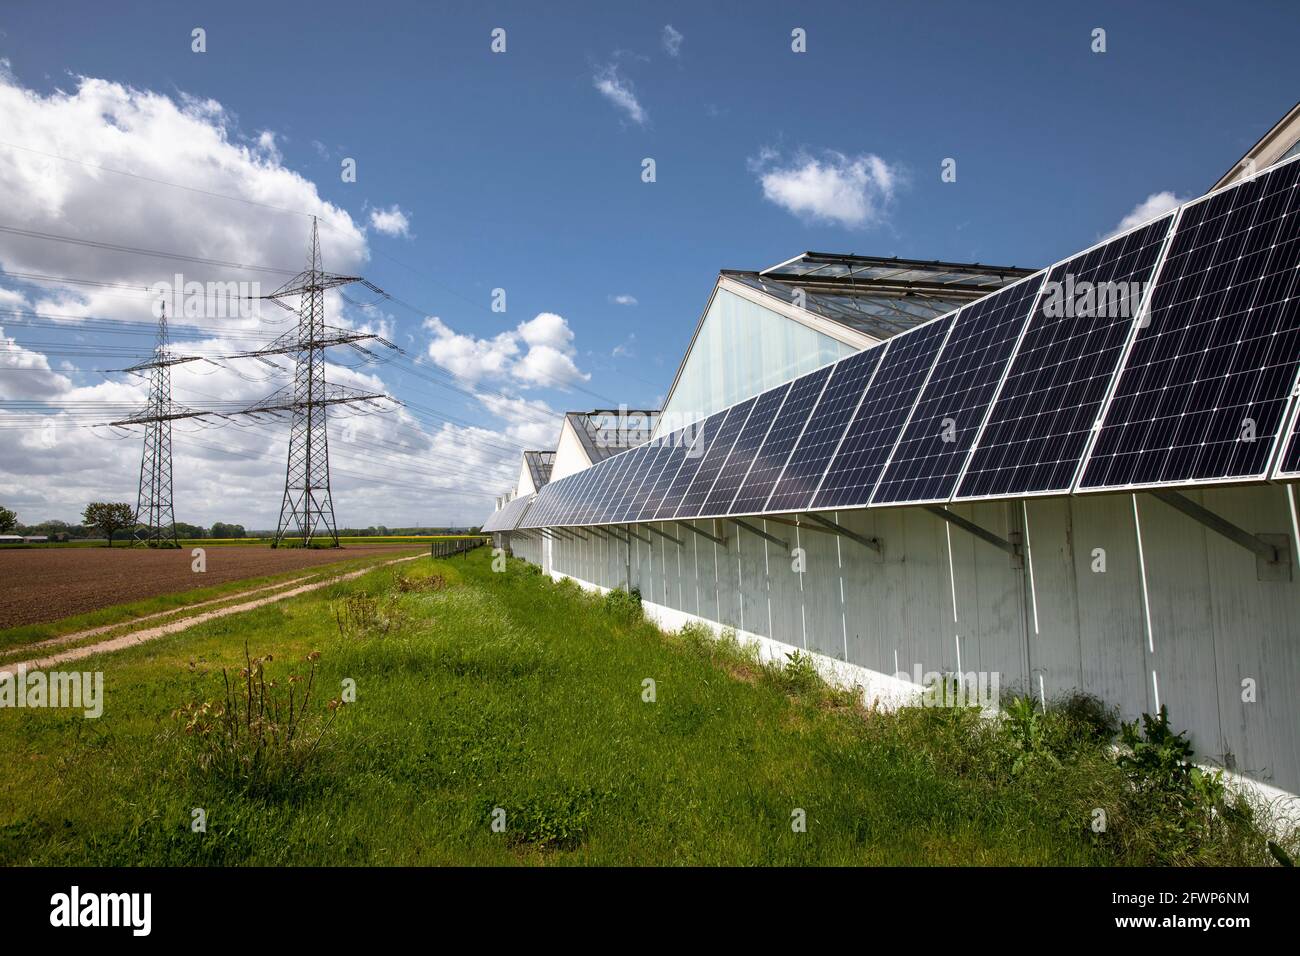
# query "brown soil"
(46, 584)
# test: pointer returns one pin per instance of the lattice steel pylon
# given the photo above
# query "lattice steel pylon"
(307, 508)
(155, 518)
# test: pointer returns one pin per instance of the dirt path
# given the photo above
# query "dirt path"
(153, 633)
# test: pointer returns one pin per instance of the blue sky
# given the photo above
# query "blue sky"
(514, 170)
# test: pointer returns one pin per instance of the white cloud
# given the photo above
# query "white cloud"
(672, 41)
(854, 192)
(1154, 205)
(538, 352)
(229, 473)
(391, 222)
(623, 299)
(618, 90)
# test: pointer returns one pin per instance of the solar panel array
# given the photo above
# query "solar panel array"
(1169, 354)
(1207, 383)
(927, 461)
(1042, 420)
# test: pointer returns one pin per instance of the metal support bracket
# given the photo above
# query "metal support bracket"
(577, 534)
(629, 530)
(598, 531)
(653, 530)
(873, 543)
(1012, 546)
(617, 535)
(761, 533)
(704, 534)
(1272, 551)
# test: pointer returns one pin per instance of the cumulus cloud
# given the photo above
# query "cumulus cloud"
(623, 299)
(1156, 204)
(391, 222)
(832, 187)
(93, 165)
(538, 352)
(617, 88)
(672, 41)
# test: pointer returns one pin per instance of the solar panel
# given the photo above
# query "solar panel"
(1288, 465)
(766, 408)
(628, 483)
(602, 503)
(656, 457)
(1045, 411)
(926, 462)
(775, 450)
(1204, 388)
(585, 506)
(705, 433)
(540, 502)
(572, 497)
(589, 479)
(880, 418)
(803, 472)
(714, 459)
(677, 444)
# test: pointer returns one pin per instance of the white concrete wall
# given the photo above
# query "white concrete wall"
(947, 601)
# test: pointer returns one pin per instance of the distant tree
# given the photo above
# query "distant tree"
(8, 520)
(185, 530)
(222, 530)
(109, 517)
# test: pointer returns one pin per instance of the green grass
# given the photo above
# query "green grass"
(505, 690)
(17, 637)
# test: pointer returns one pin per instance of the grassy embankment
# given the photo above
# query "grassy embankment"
(503, 690)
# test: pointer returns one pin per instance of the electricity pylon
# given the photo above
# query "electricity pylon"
(307, 508)
(155, 518)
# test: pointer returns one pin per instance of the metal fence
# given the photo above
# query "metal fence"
(448, 547)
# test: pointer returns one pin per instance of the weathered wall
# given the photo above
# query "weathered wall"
(1187, 633)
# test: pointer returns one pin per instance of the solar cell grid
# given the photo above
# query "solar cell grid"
(875, 427)
(713, 460)
(704, 434)
(729, 479)
(618, 467)
(655, 459)
(1043, 417)
(1205, 387)
(780, 440)
(803, 472)
(677, 444)
(929, 456)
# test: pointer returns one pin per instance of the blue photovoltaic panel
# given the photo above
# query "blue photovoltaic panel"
(714, 458)
(656, 459)
(628, 482)
(1217, 361)
(928, 458)
(581, 505)
(880, 418)
(729, 479)
(541, 503)
(617, 468)
(1044, 415)
(780, 440)
(677, 443)
(704, 434)
(803, 472)
(587, 501)
(569, 502)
